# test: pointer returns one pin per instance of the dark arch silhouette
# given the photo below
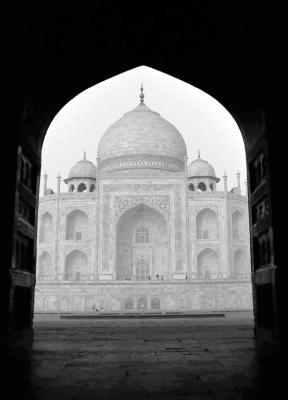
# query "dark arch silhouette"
(204, 61)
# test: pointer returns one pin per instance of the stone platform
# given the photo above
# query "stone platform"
(137, 315)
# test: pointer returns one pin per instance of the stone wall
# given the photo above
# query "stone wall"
(172, 296)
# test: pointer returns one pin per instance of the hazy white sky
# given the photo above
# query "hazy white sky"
(203, 122)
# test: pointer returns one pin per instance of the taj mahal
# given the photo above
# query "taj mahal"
(142, 229)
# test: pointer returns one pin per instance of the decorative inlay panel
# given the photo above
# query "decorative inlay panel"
(123, 203)
(142, 161)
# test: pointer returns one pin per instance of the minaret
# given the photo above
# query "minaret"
(45, 184)
(141, 95)
(225, 181)
(238, 182)
(58, 182)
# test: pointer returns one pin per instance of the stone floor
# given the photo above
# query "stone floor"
(143, 359)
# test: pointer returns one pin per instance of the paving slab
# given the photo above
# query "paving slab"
(144, 359)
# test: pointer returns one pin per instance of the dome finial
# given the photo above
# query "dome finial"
(142, 94)
(198, 153)
(84, 155)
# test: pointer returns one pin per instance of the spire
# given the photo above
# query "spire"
(142, 94)
(198, 153)
(58, 182)
(45, 184)
(225, 181)
(238, 181)
(84, 155)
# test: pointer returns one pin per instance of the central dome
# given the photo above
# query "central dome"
(142, 139)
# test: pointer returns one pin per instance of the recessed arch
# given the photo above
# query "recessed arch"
(44, 264)
(238, 222)
(207, 263)
(154, 253)
(76, 225)
(76, 265)
(46, 228)
(207, 224)
(82, 188)
(240, 262)
(201, 187)
(128, 304)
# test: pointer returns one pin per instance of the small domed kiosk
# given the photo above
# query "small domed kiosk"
(82, 176)
(201, 175)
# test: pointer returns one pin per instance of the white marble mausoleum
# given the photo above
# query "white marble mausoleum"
(143, 230)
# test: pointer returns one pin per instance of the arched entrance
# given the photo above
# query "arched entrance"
(207, 64)
(142, 244)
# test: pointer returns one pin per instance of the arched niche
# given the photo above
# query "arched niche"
(82, 188)
(128, 304)
(76, 225)
(207, 263)
(141, 238)
(207, 224)
(46, 228)
(201, 187)
(44, 264)
(240, 262)
(191, 187)
(238, 223)
(92, 188)
(142, 303)
(76, 265)
(155, 303)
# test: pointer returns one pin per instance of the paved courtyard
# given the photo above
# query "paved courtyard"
(213, 358)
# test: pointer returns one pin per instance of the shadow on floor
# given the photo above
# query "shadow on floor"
(143, 359)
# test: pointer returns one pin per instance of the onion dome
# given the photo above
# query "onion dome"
(142, 139)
